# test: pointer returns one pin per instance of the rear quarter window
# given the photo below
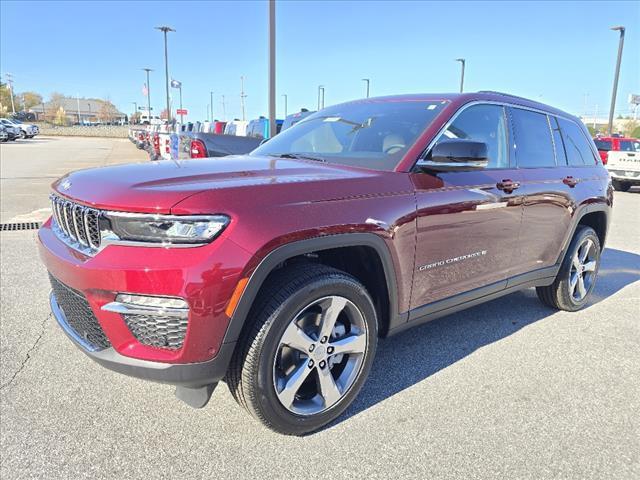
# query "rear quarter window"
(576, 144)
(603, 145)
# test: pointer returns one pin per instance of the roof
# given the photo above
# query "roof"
(87, 106)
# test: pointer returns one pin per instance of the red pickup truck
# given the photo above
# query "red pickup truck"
(279, 271)
(615, 144)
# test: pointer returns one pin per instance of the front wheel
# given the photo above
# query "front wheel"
(621, 186)
(308, 351)
(577, 275)
(23, 134)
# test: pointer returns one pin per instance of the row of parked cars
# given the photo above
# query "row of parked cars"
(207, 139)
(12, 129)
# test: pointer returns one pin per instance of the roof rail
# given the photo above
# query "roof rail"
(504, 94)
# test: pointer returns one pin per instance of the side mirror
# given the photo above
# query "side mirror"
(457, 155)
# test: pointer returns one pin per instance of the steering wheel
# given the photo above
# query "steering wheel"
(398, 146)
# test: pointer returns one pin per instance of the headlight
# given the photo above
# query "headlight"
(167, 229)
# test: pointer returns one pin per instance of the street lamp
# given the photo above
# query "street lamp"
(178, 85)
(615, 81)
(285, 105)
(320, 97)
(165, 30)
(148, 90)
(367, 80)
(211, 94)
(462, 64)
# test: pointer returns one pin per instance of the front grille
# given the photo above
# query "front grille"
(77, 225)
(79, 315)
(158, 331)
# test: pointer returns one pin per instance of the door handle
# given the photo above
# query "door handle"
(507, 185)
(572, 182)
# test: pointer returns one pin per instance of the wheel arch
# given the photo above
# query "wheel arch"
(596, 216)
(280, 255)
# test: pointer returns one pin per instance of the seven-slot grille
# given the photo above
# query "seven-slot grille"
(77, 222)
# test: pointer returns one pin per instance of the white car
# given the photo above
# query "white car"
(624, 168)
(25, 130)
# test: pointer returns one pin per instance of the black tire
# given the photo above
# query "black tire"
(252, 369)
(559, 294)
(621, 186)
(23, 134)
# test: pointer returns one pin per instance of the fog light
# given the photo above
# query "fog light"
(146, 301)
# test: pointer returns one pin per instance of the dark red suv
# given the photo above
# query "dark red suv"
(278, 271)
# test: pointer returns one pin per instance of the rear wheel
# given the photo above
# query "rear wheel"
(577, 275)
(23, 134)
(308, 351)
(621, 186)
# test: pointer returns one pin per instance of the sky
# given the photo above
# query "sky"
(560, 53)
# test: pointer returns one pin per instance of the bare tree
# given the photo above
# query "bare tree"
(108, 111)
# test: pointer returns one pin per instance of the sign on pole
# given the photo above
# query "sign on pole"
(181, 111)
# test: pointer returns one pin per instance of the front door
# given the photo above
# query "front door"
(468, 223)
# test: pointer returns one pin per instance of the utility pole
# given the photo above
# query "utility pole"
(242, 96)
(595, 117)
(135, 110)
(272, 68)
(615, 81)
(165, 30)
(211, 94)
(224, 110)
(10, 83)
(208, 111)
(285, 105)
(148, 95)
(320, 97)
(367, 80)
(462, 63)
(78, 100)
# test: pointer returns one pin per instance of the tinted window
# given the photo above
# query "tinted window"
(561, 156)
(483, 123)
(575, 143)
(532, 139)
(604, 145)
(629, 146)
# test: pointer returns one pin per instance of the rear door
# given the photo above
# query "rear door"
(468, 222)
(554, 158)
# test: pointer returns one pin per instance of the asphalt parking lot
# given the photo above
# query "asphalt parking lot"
(509, 389)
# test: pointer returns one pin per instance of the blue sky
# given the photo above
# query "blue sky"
(556, 52)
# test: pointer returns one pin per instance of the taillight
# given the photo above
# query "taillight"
(156, 143)
(167, 145)
(198, 150)
(605, 158)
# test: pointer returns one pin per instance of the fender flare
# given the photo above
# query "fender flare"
(582, 212)
(293, 249)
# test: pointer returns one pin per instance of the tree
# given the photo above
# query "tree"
(629, 127)
(163, 114)
(55, 104)
(29, 99)
(108, 111)
(5, 100)
(60, 117)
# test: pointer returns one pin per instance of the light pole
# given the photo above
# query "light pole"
(148, 94)
(462, 64)
(78, 100)
(9, 77)
(135, 109)
(368, 81)
(176, 84)
(272, 68)
(615, 81)
(285, 105)
(320, 97)
(211, 100)
(242, 97)
(165, 30)
(89, 105)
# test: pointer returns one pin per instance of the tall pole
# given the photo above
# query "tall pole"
(272, 68)
(148, 94)
(320, 97)
(135, 110)
(462, 64)
(224, 109)
(367, 80)
(10, 83)
(165, 30)
(615, 81)
(285, 105)
(181, 115)
(78, 100)
(242, 97)
(211, 94)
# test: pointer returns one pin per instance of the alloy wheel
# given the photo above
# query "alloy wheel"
(583, 270)
(320, 355)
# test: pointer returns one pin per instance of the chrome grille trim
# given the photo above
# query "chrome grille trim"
(73, 224)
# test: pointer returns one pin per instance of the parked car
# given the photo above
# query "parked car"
(259, 128)
(294, 118)
(4, 136)
(236, 127)
(146, 119)
(24, 130)
(280, 270)
(13, 131)
(206, 145)
(622, 157)
(615, 144)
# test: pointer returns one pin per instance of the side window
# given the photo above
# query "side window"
(484, 123)
(561, 156)
(532, 139)
(578, 150)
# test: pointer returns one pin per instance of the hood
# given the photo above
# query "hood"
(155, 187)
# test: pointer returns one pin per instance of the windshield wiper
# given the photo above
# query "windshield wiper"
(303, 156)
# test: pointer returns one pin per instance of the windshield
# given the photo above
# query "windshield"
(370, 134)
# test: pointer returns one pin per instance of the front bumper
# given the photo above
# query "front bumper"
(631, 176)
(191, 375)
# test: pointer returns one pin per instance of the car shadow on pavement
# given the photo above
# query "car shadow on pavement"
(414, 355)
